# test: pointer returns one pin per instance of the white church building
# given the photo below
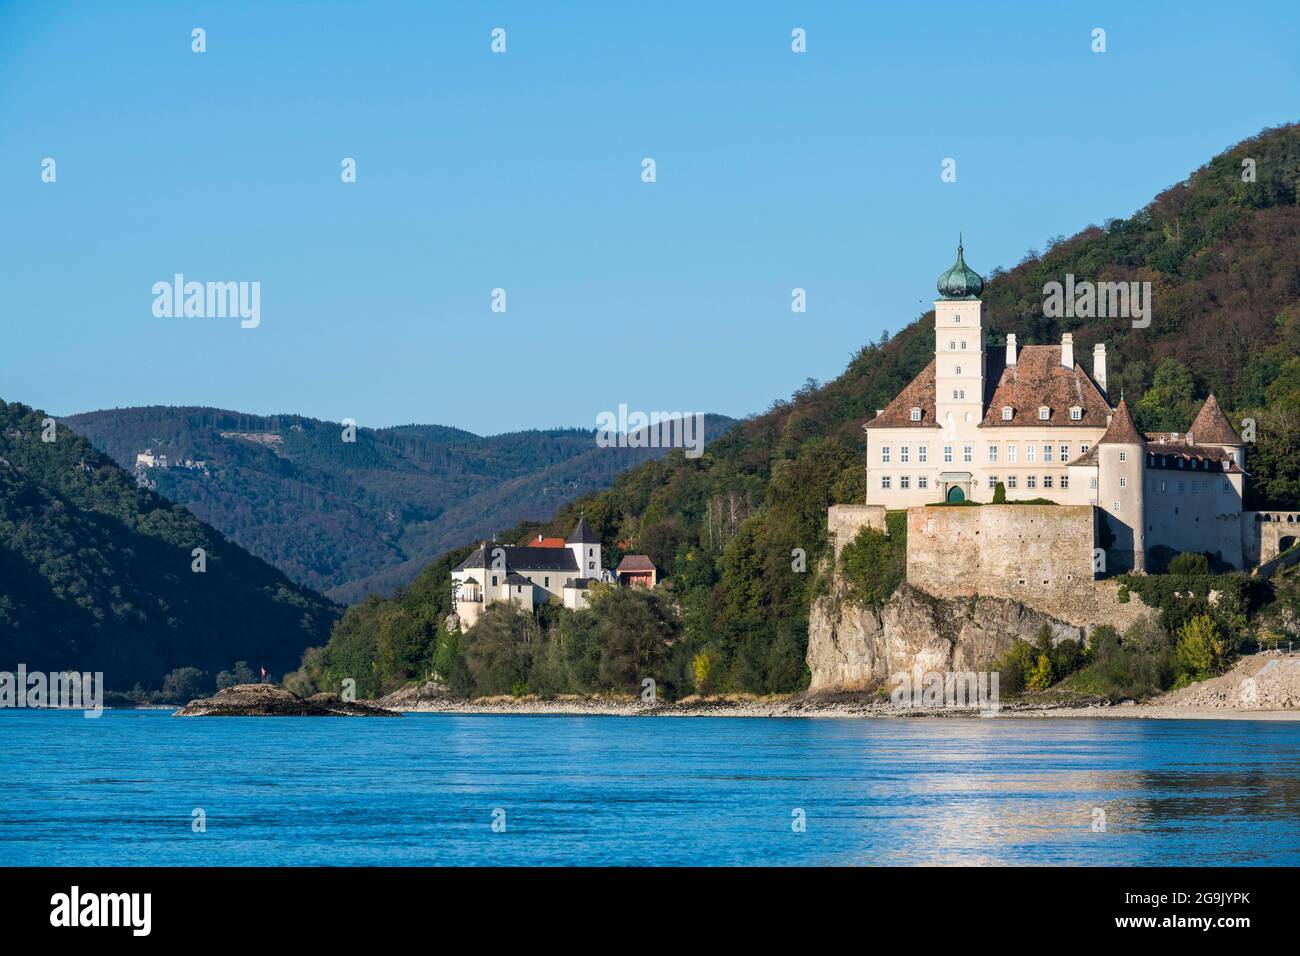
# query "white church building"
(529, 575)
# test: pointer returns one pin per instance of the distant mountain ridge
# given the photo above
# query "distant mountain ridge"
(354, 518)
(97, 574)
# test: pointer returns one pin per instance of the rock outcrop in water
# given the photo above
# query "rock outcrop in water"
(268, 700)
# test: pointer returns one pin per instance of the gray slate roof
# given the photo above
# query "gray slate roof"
(583, 534)
(522, 559)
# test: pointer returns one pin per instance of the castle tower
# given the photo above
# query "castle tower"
(959, 346)
(585, 546)
(1121, 495)
(1211, 427)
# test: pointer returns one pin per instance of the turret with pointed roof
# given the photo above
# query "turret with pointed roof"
(1211, 426)
(1122, 430)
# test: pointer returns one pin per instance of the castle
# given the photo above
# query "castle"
(1105, 497)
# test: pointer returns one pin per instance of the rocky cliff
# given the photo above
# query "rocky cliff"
(852, 648)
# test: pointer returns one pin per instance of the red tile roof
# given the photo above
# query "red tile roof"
(1121, 430)
(919, 393)
(540, 542)
(635, 562)
(1038, 378)
(1211, 426)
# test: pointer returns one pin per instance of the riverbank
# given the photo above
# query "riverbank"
(825, 707)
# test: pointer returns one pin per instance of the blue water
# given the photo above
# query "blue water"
(606, 790)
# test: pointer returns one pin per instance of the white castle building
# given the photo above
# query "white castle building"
(1034, 420)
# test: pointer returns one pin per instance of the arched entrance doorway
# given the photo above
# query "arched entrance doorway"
(955, 494)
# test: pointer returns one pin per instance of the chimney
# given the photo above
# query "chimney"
(1099, 365)
(1011, 349)
(1067, 350)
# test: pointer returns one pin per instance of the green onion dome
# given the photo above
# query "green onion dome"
(961, 281)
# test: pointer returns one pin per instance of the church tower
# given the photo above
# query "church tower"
(959, 347)
(585, 545)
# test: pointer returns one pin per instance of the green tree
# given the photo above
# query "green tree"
(1201, 651)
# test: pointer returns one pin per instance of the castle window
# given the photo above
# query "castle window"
(1047, 453)
(1065, 453)
(922, 453)
(1065, 482)
(1164, 486)
(993, 454)
(1043, 413)
(1031, 481)
(947, 454)
(952, 345)
(1011, 481)
(884, 454)
(1226, 487)
(1083, 448)
(1006, 413)
(494, 580)
(1116, 508)
(963, 343)
(904, 454)
(1076, 414)
(923, 482)
(968, 454)
(1123, 456)
(1092, 483)
(1011, 454)
(1123, 482)
(954, 394)
(905, 482)
(1047, 481)
(916, 414)
(962, 393)
(1031, 453)
(993, 481)
(956, 319)
(884, 482)
(546, 582)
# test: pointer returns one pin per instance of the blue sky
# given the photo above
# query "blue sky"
(523, 171)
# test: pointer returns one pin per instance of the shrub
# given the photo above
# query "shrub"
(875, 564)
(1190, 564)
(999, 494)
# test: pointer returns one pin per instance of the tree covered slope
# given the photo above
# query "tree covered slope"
(352, 518)
(96, 574)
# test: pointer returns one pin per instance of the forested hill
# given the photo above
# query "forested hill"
(352, 518)
(1223, 255)
(98, 575)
